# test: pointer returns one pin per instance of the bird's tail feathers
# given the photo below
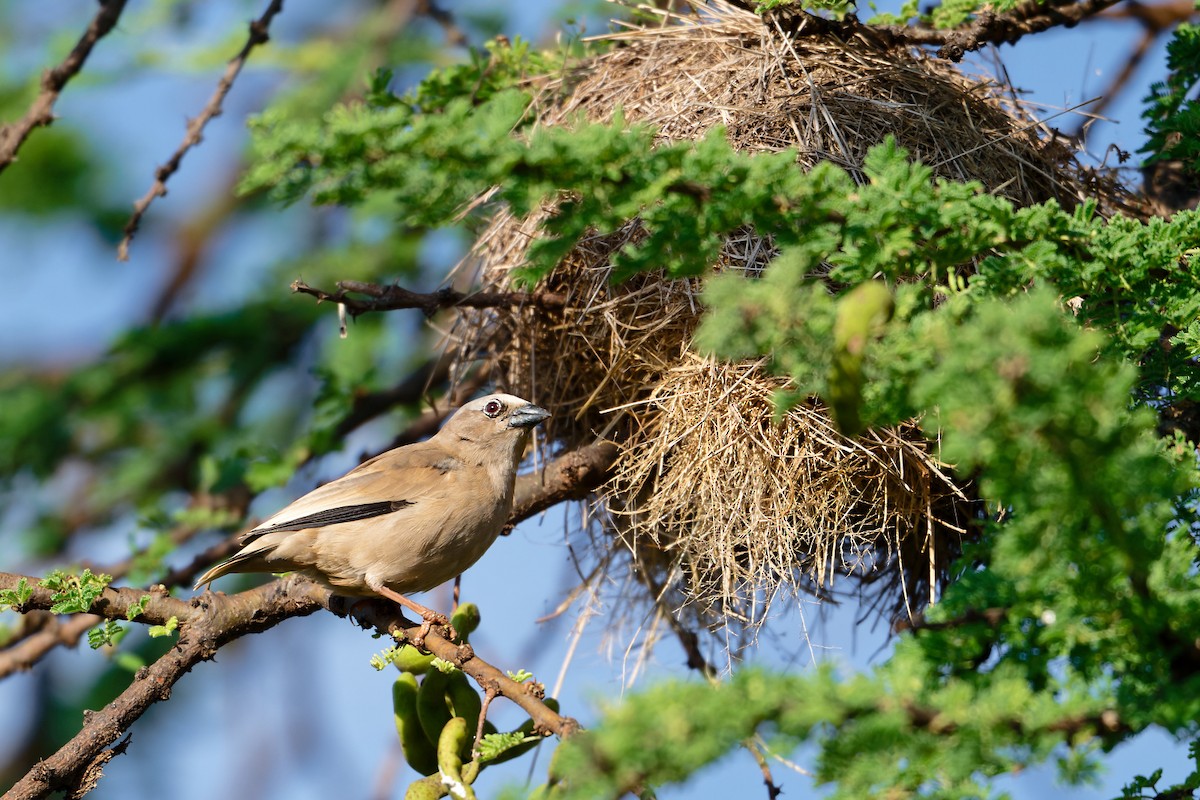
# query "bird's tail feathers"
(225, 567)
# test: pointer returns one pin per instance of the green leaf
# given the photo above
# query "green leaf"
(493, 745)
(136, 609)
(110, 633)
(157, 631)
(74, 594)
(16, 599)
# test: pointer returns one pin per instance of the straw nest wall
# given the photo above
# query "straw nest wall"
(719, 505)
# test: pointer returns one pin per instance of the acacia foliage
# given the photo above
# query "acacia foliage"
(1037, 342)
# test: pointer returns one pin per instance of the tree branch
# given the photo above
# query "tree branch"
(986, 28)
(992, 617)
(391, 298)
(207, 624)
(41, 111)
(259, 34)
(409, 390)
(454, 34)
(21, 656)
(1156, 19)
(210, 621)
(571, 476)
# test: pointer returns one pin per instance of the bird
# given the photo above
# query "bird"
(406, 520)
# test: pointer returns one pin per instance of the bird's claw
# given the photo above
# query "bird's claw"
(431, 620)
(440, 620)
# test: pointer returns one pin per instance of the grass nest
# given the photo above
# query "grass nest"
(720, 505)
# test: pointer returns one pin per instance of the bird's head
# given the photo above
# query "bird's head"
(496, 420)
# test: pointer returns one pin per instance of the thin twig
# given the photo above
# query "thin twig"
(392, 298)
(1156, 19)
(259, 34)
(41, 111)
(454, 34)
(490, 693)
(773, 790)
(991, 617)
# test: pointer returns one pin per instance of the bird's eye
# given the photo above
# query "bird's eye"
(493, 408)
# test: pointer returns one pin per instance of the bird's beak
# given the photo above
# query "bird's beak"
(527, 416)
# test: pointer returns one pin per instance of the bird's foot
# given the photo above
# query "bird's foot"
(432, 619)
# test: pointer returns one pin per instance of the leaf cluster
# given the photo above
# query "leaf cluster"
(1172, 111)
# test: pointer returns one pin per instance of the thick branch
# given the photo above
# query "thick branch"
(391, 298)
(210, 622)
(571, 476)
(41, 111)
(207, 623)
(986, 28)
(259, 34)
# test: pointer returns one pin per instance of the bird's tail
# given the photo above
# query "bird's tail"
(225, 567)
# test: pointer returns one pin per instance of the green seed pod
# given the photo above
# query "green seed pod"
(410, 659)
(464, 700)
(465, 619)
(430, 788)
(862, 315)
(470, 771)
(454, 744)
(432, 709)
(418, 749)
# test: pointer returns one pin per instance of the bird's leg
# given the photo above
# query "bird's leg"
(429, 616)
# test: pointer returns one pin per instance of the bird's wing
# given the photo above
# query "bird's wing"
(387, 483)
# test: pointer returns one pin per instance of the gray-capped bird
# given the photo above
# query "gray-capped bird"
(407, 520)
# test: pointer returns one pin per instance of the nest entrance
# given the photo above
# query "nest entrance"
(719, 505)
